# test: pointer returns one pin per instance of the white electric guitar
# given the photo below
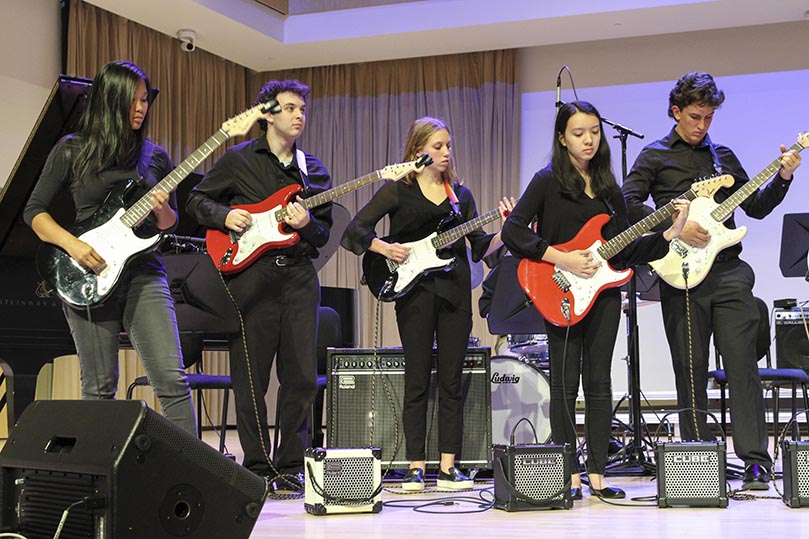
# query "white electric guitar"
(711, 216)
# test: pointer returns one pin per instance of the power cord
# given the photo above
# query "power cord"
(88, 503)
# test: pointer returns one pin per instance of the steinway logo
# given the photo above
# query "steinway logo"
(691, 458)
(498, 378)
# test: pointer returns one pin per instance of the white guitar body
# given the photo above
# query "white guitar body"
(699, 259)
(263, 230)
(116, 243)
(422, 259)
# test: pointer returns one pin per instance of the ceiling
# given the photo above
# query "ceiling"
(253, 35)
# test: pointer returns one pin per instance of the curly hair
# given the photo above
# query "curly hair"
(695, 87)
(274, 87)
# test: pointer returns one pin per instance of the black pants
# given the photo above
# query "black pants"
(722, 305)
(590, 345)
(423, 317)
(279, 306)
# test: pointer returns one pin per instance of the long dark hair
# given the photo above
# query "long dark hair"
(602, 180)
(106, 134)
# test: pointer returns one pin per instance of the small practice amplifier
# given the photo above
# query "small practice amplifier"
(531, 477)
(796, 473)
(791, 342)
(343, 480)
(691, 474)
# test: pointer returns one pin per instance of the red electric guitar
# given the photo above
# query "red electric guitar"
(233, 252)
(564, 298)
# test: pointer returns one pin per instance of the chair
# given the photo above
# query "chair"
(771, 378)
(329, 335)
(192, 345)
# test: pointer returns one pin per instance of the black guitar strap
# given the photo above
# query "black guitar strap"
(145, 158)
(453, 200)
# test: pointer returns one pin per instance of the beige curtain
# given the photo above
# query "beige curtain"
(358, 115)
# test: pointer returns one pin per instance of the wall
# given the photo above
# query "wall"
(30, 64)
(764, 72)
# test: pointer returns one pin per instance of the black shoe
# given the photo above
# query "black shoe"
(290, 481)
(414, 480)
(575, 493)
(454, 480)
(756, 477)
(608, 493)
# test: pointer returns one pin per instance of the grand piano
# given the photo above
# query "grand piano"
(32, 327)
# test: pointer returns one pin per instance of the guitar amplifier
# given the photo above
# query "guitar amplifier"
(531, 477)
(691, 474)
(796, 473)
(791, 342)
(342, 481)
(354, 384)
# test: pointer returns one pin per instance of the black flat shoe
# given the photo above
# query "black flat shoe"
(575, 493)
(608, 493)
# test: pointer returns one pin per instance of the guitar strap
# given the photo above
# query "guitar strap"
(717, 166)
(300, 157)
(453, 200)
(145, 158)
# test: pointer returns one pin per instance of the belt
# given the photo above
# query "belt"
(284, 261)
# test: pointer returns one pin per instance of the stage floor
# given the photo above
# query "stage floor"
(464, 516)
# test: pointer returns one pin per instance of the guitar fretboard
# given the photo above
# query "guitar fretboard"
(453, 234)
(140, 209)
(619, 242)
(723, 210)
(327, 196)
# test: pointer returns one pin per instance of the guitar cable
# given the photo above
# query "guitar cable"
(692, 386)
(580, 444)
(268, 490)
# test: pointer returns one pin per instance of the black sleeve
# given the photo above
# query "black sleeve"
(517, 234)
(361, 231)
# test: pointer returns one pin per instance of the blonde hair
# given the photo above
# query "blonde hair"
(417, 137)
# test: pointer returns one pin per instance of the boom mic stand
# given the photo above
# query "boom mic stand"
(635, 461)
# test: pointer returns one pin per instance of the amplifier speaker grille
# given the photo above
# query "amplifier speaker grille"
(691, 474)
(796, 473)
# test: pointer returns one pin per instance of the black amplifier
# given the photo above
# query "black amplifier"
(791, 341)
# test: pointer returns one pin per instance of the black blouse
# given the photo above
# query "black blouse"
(413, 216)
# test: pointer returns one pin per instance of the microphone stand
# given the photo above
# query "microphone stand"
(635, 461)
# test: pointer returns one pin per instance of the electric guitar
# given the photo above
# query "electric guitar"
(389, 280)
(111, 230)
(711, 216)
(233, 252)
(564, 298)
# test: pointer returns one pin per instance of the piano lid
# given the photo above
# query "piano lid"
(59, 116)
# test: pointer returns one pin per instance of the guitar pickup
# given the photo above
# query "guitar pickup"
(561, 281)
(679, 248)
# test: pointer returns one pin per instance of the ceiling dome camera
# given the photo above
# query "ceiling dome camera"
(188, 40)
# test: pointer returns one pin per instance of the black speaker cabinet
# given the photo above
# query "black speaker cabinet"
(791, 343)
(353, 384)
(796, 473)
(133, 473)
(530, 477)
(691, 474)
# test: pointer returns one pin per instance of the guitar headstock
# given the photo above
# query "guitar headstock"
(400, 170)
(707, 187)
(803, 139)
(241, 123)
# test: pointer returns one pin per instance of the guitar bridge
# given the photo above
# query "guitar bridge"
(678, 248)
(561, 281)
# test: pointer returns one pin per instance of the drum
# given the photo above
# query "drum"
(530, 345)
(519, 389)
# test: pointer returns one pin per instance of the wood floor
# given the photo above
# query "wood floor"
(465, 516)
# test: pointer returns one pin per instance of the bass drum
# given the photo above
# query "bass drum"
(519, 390)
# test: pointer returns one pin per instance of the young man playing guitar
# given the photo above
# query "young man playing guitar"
(723, 303)
(277, 295)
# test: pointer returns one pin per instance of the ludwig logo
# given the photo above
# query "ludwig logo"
(498, 378)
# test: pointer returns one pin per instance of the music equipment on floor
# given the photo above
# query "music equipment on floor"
(389, 280)
(354, 384)
(113, 229)
(520, 389)
(564, 298)
(791, 342)
(530, 477)
(691, 474)
(124, 471)
(711, 216)
(795, 464)
(236, 251)
(343, 480)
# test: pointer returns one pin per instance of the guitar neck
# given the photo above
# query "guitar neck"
(721, 212)
(619, 242)
(453, 234)
(140, 209)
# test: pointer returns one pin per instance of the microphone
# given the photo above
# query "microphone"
(559, 92)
